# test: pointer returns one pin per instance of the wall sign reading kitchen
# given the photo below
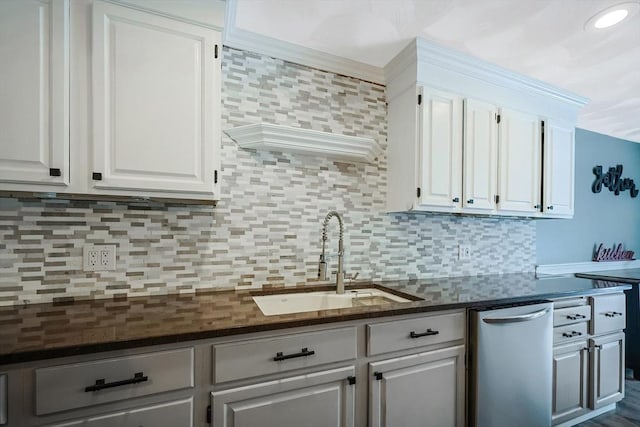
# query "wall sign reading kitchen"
(613, 180)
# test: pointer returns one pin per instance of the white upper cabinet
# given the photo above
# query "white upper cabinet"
(558, 182)
(34, 93)
(520, 166)
(440, 148)
(486, 158)
(480, 155)
(155, 98)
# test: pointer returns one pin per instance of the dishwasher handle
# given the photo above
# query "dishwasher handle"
(4, 397)
(518, 318)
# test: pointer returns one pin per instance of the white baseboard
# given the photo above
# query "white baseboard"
(582, 267)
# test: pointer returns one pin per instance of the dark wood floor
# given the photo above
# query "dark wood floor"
(627, 414)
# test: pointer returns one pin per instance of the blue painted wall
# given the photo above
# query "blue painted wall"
(600, 217)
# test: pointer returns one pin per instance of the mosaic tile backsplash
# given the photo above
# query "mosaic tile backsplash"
(266, 229)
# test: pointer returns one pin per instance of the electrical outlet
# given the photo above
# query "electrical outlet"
(99, 257)
(464, 251)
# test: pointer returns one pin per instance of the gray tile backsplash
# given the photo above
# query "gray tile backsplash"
(266, 228)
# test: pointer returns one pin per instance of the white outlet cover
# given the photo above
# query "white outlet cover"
(99, 257)
(464, 251)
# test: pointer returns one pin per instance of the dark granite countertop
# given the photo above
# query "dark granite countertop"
(631, 275)
(42, 331)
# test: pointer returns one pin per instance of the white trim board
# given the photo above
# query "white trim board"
(238, 38)
(583, 267)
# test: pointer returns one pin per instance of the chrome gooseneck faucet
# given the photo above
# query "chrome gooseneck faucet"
(322, 270)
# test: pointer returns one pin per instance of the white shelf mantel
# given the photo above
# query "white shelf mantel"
(267, 136)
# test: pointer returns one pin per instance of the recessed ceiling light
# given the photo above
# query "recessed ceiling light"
(612, 15)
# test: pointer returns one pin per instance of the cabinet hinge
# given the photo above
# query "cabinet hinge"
(351, 379)
(498, 118)
(215, 51)
(55, 172)
(418, 192)
(215, 176)
(378, 375)
(419, 99)
(497, 198)
(209, 414)
(96, 176)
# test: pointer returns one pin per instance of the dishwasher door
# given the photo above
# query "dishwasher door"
(511, 366)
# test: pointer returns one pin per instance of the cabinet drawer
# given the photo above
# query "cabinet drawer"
(406, 334)
(569, 315)
(246, 359)
(172, 414)
(608, 313)
(83, 384)
(569, 332)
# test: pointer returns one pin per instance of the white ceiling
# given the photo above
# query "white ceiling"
(544, 39)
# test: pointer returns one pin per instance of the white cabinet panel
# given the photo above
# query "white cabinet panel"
(321, 399)
(34, 92)
(559, 153)
(480, 155)
(425, 389)
(570, 381)
(519, 180)
(440, 149)
(607, 370)
(171, 414)
(155, 87)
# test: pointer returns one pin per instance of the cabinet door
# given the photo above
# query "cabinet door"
(480, 155)
(559, 144)
(607, 370)
(425, 389)
(440, 141)
(320, 399)
(519, 169)
(570, 381)
(171, 414)
(156, 91)
(34, 92)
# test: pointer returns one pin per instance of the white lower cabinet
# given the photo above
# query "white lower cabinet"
(607, 370)
(571, 381)
(424, 389)
(319, 399)
(588, 368)
(171, 414)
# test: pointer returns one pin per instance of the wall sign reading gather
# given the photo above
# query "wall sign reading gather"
(613, 180)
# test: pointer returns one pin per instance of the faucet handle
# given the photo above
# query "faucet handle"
(351, 277)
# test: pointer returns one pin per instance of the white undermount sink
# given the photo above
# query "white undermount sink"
(299, 302)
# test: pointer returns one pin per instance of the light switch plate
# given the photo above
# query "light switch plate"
(464, 252)
(99, 258)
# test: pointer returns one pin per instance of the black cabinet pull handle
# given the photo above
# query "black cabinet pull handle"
(550, 208)
(571, 334)
(612, 314)
(470, 201)
(576, 316)
(100, 384)
(456, 199)
(303, 353)
(429, 332)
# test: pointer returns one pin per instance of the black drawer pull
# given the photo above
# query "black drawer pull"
(429, 332)
(571, 334)
(303, 353)
(612, 314)
(138, 377)
(576, 316)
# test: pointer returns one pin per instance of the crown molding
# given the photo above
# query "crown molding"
(238, 38)
(267, 136)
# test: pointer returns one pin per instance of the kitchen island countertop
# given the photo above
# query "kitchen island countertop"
(42, 331)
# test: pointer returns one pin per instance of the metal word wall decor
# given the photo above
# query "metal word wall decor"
(615, 253)
(613, 180)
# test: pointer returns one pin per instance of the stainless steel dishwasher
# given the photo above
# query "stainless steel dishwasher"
(510, 361)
